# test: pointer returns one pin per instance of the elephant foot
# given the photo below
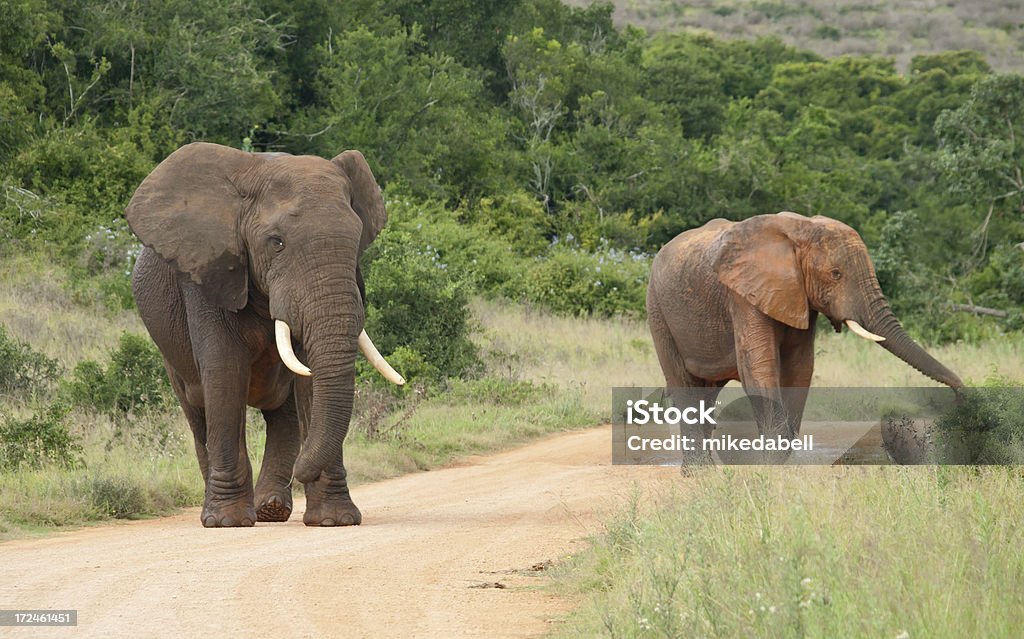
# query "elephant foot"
(237, 515)
(274, 508)
(328, 502)
(342, 513)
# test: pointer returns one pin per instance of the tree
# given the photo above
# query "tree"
(201, 65)
(420, 118)
(982, 155)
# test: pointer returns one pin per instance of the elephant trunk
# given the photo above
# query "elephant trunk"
(330, 343)
(884, 323)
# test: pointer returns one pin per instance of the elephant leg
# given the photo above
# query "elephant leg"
(196, 417)
(328, 502)
(797, 371)
(682, 387)
(229, 492)
(224, 371)
(273, 489)
(759, 367)
(668, 354)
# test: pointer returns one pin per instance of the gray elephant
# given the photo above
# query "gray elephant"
(251, 263)
(739, 301)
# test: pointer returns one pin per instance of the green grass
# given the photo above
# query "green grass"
(441, 432)
(809, 552)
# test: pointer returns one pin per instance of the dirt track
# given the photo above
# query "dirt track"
(423, 564)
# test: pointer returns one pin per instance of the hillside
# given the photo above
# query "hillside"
(898, 28)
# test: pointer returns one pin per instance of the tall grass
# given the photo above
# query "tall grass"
(36, 306)
(810, 552)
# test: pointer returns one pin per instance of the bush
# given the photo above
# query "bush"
(23, 370)
(608, 282)
(475, 251)
(488, 257)
(40, 439)
(986, 426)
(89, 173)
(134, 380)
(418, 311)
(118, 497)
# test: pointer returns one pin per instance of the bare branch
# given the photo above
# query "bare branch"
(979, 310)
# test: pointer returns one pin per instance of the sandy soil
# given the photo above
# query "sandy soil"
(456, 552)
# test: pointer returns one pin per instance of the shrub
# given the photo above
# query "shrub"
(40, 439)
(418, 311)
(23, 370)
(90, 174)
(118, 497)
(986, 426)
(474, 251)
(487, 257)
(608, 282)
(133, 381)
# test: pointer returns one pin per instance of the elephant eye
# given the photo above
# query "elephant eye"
(836, 274)
(277, 243)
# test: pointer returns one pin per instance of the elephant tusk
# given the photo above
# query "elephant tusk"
(284, 349)
(378, 361)
(860, 331)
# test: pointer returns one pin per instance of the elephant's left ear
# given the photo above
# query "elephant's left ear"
(758, 261)
(367, 201)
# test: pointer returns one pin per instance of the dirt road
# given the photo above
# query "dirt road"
(423, 564)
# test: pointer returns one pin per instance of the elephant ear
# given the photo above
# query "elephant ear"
(366, 199)
(187, 210)
(758, 261)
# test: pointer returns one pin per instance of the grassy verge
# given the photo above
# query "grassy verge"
(450, 427)
(818, 552)
(148, 468)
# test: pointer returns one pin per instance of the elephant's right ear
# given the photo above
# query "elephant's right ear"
(367, 201)
(758, 261)
(187, 210)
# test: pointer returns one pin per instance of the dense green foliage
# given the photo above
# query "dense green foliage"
(420, 313)
(41, 439)
(133, 380)
(23, 371)
(554, 151)
(985, 427)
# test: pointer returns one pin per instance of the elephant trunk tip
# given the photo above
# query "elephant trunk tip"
(306, 471)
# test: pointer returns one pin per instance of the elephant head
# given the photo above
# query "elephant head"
(787, 265)
(282, 235)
